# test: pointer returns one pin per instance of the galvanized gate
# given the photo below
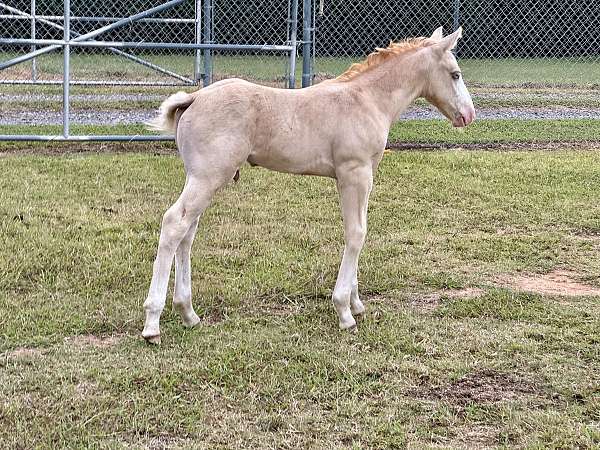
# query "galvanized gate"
(202, 44)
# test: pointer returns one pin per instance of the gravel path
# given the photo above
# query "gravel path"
(16, 116)
(556, 112)
(138, 116)
(500, 95)
(82, 97)
(77, 117)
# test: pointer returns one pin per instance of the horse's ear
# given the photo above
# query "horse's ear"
(449, 42)
(437, 35)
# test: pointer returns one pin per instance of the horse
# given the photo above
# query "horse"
(337, 128)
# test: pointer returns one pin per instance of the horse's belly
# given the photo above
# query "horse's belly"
(298, 162)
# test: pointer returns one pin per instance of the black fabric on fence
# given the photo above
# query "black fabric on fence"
(493, 28)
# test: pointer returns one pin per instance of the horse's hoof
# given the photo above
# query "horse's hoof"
(359, 314)
(192, 322)
(358, 309)
(349, 325)
(353, 329)
(154, 340)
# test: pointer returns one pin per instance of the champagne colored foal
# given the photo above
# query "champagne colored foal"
(337, 129)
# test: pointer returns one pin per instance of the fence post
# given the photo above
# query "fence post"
(208, 18)
(293, 34)
(66, 66)
(456, 21)
(306, 42)
(197, 39)
(33, 61)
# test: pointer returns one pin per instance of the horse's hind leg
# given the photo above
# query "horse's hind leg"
(177, 222)
(182, 298)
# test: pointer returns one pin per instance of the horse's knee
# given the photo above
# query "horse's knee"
(355, 238)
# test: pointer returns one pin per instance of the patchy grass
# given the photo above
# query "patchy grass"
(41, 98)
(496, 367)
(265, 67)
(107, 66)
(523, 72)
(498, 131)
(438, 132)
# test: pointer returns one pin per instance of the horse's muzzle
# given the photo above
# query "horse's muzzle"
(464, 118)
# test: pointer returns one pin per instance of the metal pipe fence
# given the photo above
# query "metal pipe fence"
(59, 55)
(75, 44)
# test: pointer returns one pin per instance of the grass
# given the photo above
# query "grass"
(542, 72)
(408, 131)
(268, 367)
(49, 98)
(505, 71)
(500, 131)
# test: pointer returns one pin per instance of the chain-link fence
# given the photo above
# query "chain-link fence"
(525, 42)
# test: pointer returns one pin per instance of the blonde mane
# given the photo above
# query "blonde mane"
(381, 55)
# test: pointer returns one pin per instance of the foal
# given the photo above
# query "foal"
(336, 129)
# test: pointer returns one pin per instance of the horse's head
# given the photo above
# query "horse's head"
(445, 88)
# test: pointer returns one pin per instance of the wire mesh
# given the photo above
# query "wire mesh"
(263, 22)
(531, 43)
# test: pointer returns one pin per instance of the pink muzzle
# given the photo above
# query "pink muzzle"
(464, 118)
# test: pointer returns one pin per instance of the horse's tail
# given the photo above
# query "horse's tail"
(167, 118)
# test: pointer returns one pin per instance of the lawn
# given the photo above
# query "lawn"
(452, 352)
(438, 132)
(273, 68)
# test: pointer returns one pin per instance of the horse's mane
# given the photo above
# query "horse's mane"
(380, 55)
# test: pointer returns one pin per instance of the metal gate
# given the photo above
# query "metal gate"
(202, 44)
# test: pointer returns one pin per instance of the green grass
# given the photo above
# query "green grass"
(506, 71)
(49, 98)
(268, 367)
(132, 129)
(541, 71)
(409, 131)
(501, 131)
(111, 67)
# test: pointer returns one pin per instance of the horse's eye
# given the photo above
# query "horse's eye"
(455, 75)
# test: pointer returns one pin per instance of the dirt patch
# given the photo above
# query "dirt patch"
(497, 146)
(23, 352)
(483, 387)
(90, 340)
(70, 148)
(475, 436)
(557, 282)
(168, 148)
(213, 316)
(590, 235)
(161, 442)
(432, 300)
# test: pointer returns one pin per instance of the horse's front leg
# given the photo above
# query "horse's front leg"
(356, 306)
(354, 185)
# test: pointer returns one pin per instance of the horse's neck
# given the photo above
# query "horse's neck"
(393, 86)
